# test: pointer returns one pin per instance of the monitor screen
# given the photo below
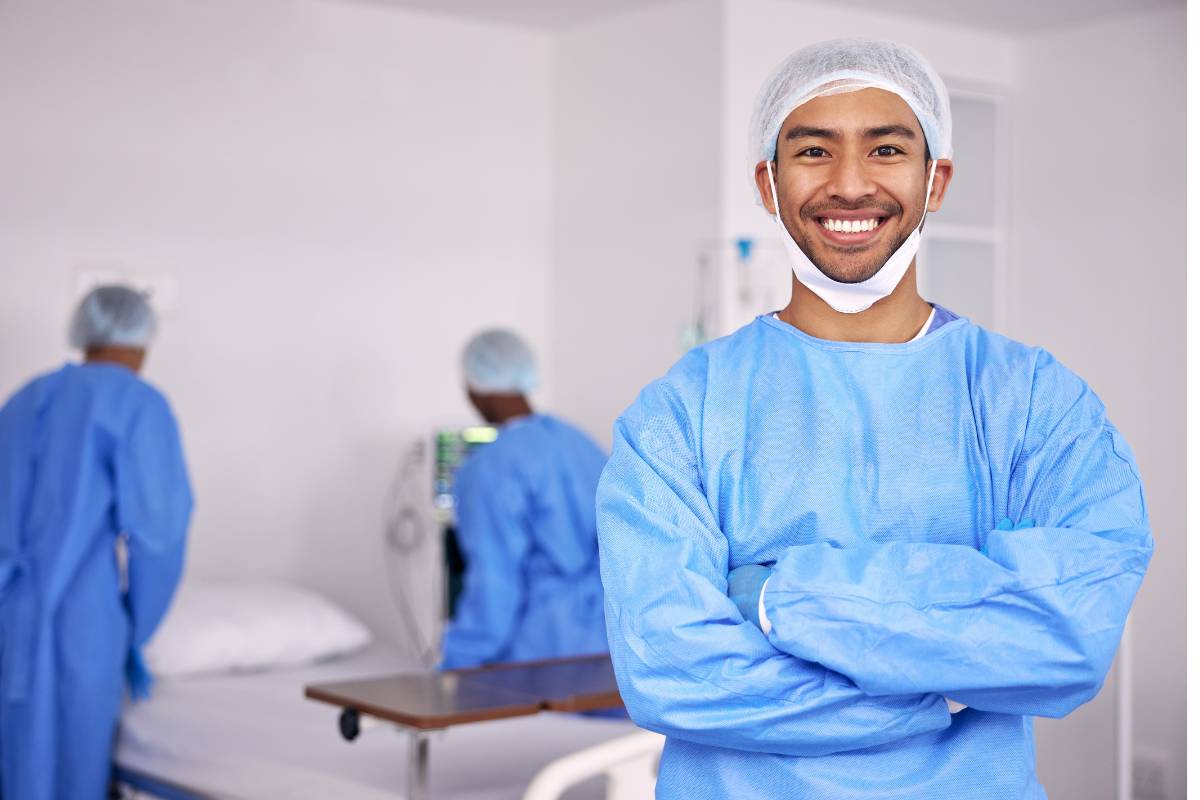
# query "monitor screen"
(451, 448)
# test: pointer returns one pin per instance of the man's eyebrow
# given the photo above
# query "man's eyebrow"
(807, 132)
(897, 129)
(879, 132)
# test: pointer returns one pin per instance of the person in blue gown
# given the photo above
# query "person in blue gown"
(852, 549)
(526, 523)
(89, 455)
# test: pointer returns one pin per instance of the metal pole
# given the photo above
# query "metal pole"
(418, 765)
(1125, 713)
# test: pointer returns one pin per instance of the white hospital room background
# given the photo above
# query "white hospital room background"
(329, 197)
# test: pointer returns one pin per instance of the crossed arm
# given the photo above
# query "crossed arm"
(866, 642)
(687, 663)
(1028, 624)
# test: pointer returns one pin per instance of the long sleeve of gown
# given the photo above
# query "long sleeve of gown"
(154, 506)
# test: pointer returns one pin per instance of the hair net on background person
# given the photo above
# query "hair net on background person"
(113, 316)
(846, 65)
(499, 362)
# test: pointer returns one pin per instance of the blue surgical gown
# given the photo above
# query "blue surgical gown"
(526, 511)
(87, 453)
(872, 477)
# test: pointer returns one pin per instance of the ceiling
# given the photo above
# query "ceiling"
(1014, 17)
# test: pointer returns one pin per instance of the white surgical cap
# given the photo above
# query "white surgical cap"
(113, 316)
(499, 362)
(847, 65)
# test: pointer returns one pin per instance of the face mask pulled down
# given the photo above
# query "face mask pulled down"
(851, 298)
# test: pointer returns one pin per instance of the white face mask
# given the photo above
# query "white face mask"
(851, 298)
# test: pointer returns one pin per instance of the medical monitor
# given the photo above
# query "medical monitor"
(452, 447)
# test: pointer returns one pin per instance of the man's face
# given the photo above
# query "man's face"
(479, 402)
(850, 174)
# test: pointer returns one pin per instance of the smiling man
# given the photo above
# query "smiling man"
(853, 548)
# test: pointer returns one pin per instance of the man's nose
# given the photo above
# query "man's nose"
(850, 180)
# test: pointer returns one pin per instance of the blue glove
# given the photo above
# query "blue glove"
(745, 586)
(137, 675)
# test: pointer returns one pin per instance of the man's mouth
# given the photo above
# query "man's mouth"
(854, 228)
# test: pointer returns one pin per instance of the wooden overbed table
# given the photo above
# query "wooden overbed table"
(425, 702)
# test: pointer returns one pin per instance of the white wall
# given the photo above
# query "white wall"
(342, 192)
(1097, 275)
(636, 190)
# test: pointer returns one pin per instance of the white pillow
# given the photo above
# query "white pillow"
(232, 627)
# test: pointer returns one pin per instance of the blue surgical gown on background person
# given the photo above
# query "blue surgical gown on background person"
(873, 478)
(526, 512)
(87, 453)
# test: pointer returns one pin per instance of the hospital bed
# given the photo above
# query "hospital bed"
(250, 735)
(254, 736)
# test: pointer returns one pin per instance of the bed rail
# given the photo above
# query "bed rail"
(629, 763)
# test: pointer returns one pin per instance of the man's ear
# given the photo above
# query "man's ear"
(762, 178)
(943, 172)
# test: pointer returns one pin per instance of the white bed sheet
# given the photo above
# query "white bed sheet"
(255, 737)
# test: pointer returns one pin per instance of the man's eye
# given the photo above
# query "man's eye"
(812, 152)
(887, 150)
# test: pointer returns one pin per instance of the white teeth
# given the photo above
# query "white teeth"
(849, 225)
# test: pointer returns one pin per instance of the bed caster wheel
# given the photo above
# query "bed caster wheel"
(348, 724)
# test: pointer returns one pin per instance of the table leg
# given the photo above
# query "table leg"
(418, 765)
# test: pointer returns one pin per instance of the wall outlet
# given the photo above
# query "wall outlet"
(1150, 774)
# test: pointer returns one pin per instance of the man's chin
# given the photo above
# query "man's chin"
(851, 265)
(843, 274)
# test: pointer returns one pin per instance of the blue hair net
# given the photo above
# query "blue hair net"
(499, 362)
(113, 316)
